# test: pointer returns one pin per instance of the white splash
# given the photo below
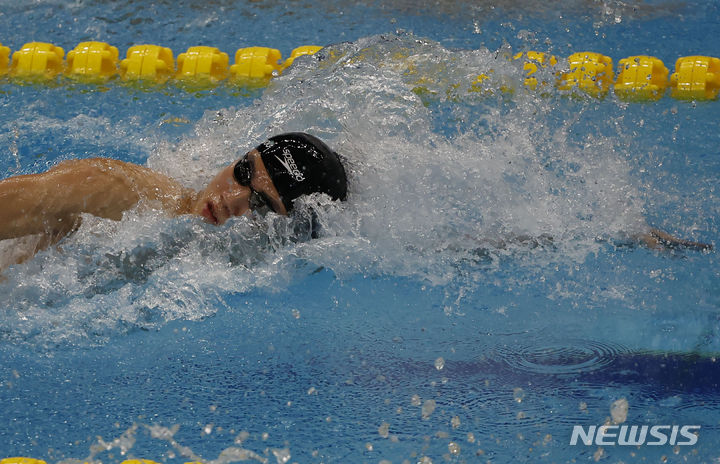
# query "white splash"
(429, 195)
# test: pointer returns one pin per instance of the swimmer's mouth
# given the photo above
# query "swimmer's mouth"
(208, 213)
(217, 213)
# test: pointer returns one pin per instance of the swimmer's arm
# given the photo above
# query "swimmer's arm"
(657, 239)
(50, 203)
(654, 239)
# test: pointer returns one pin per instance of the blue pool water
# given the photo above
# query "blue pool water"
(406, 332)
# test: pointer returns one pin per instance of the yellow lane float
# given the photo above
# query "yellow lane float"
(37, 59)
(641, 78)
(148, 63)
(256, 63)
(4, 59)
(202, 63)
(696, 78)
(589, 72)
(92, 61)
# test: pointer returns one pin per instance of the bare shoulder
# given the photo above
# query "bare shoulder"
(98, 164)
(123, 172)
(119, 185)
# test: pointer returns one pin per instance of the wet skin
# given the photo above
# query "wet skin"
(49, 205)
(224, 197)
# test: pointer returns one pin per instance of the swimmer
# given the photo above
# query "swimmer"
(49, 205)
(269, 177)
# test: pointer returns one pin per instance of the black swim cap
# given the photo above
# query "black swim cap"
(301, 164)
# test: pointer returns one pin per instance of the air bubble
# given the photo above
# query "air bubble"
(282, 455)
(619, 411)
(518, 395)
(384, 430)
(428, 408)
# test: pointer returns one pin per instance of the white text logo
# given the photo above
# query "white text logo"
(635, 435)
(289, 164)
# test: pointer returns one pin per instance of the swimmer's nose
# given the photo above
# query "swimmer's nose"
(237, 200)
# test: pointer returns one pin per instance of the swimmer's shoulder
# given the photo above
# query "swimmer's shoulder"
(97, 163)
(109, 186)
(111, 170)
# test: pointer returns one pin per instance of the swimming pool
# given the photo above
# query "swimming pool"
(405, 333)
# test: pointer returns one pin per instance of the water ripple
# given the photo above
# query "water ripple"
(571, 356)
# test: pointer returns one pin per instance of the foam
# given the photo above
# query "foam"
(434, 185)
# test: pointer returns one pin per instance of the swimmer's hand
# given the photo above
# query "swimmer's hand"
(657, 239)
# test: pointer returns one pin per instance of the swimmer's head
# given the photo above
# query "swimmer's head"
(274, 174)
(301, 164)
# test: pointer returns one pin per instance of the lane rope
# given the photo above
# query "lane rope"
(639, 78)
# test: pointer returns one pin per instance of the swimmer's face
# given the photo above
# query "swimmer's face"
(224, 197)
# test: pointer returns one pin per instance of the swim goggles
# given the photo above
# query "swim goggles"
(243, 174)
